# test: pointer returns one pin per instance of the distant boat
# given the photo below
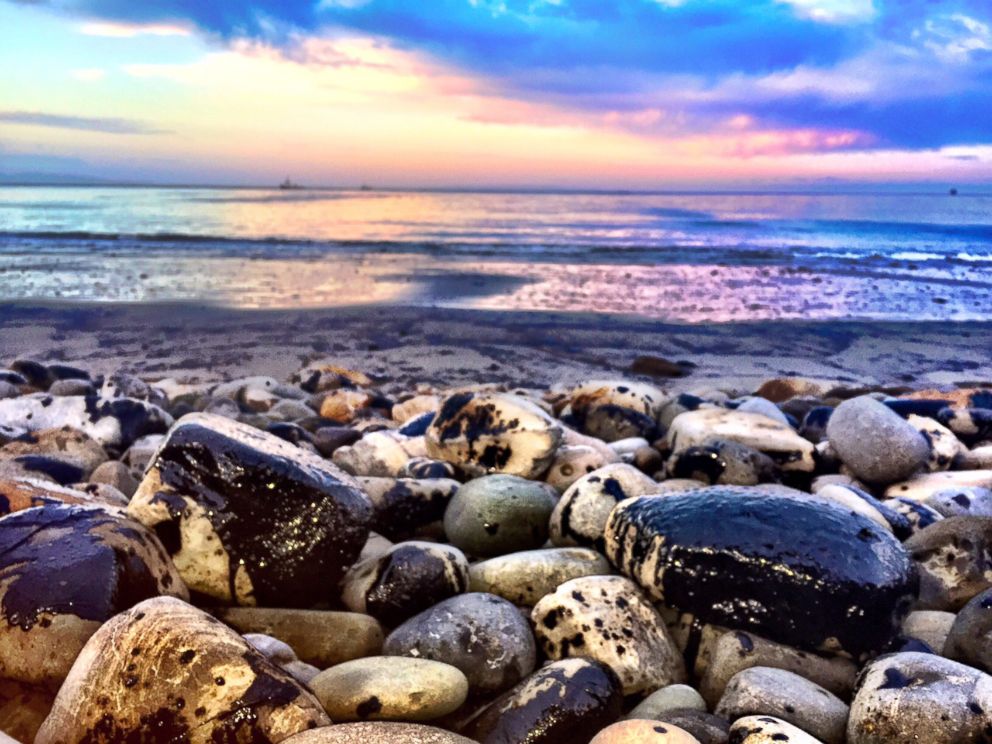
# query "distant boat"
(954, 192)
(288, 185)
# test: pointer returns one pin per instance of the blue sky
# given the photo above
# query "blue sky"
(876, 89)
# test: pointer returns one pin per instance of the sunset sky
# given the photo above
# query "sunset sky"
(576, 93)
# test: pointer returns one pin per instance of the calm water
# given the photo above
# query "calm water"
(685, 257)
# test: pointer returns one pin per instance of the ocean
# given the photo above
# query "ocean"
(694, 257)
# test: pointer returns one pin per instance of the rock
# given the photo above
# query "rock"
(112, 423)
(425, 467)
(666, 699)
(103, 494)
(378, 732)
(706, 727)
(493, 433)
(117, 474)
(8, 390)
(71, 387)
(315, 378)
(736, 651)
(608, 619)
(300, 671)
(945, 448)
(954, 559)
(524, 577)
(344, 405)
(328, 439)
(978, 458)
(276, 651)
(408, 578)
(969, 637)
(929, 626)
(249, 518)
(643, 732)
(76, 450)
(814, 424)
(23, 493)
(23, 708)
(918, 515)
(721, 462)
(382, 454)
(484, 636)
(64, 570)
(656, 366)
(612, 410)
(902, 695)
(728, 554)
(139, 455)
(318, 637)
(970, 425)
(411, 408)
(767, 730)
(565, 701)
(125, 385)
(859, 502)
(400, 506)
(781, 389)
(579, 517)
(780, 442)
(499, 514)
(921, 487)
(787, 696)
(390, 688)
(960, 502)
(165, 671)
(877, 444)
(757, 404)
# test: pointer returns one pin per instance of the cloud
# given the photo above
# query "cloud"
(130, 30)
(89, 74)
(107, 125)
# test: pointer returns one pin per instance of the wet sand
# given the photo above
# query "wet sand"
(400, 345)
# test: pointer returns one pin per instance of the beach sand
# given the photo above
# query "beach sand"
(400, 346)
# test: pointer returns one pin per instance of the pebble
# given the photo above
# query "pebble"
(117, 474)
(166, 671)
(249, 518)
(607, 618)
(23, 708)
(565, 701)
(523, 578)
(711, 552)
(954, 560)
(903, 696)
(971, 425)
(580, 516)
(481, 634)
(273, 649)
(425, 467)
(969, 637)
(612, 410)
(493, 433)
(378, 732)
(8, 390)
(787, 696)
(757, 404)
(923, 486)
(413, 407)
(139, 455)
(71, 387)
(877, 444)
(635, 731)
(706, 727)
(945, 448)
(408, 578)
(382, 454)
(498, 514)
(319, 637)
(971, 501)
(780, 442)
(721, 462)
(77, 451)
(768, 730)
(64, 570)
(918, 515)
(929, 626)
(390, 688)
(667, 699)
(401, 506)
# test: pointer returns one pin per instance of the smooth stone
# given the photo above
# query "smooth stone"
(317, 377)
(781, 389)
(23, 708)
(112, 423)
(117, 474)
(970, 425)
(523, 578)
(390, 688)
(483, 433)
(318, 637)
(977, 458)
(64, 570)
(166, 671)
(969, 638)
(247, 517)
(735, 651)
(757, 404)
(962, 502)
(481, 634)
(411, 408)
(378, 732)
(613, 409)
(721, 462)
(877, 444)
(71, 387)
(848, 498)
(103, 494)
(276, 651)
(8, 390)
(946, 450)
(768, 730)
(400, 506)
(300, 671)
(706, 727)
(627, 448)
(666, 699)
(923, 486)
(381, 454)
(607, 618)
(788, 696)
(344, 405)
(17, 494)
(633, 731)
(328, 439)
(425, 467)
(565, 701)
(919, 516)
(407, 579)
(901, 696)
(65, 445)
(954, 560)
(729, 554)
(814, 424)
(139, 455)
(777, 440)
(498, 514)
(930, 626)
(125, 385)
(580, 516)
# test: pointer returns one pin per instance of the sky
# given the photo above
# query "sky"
(573, 93)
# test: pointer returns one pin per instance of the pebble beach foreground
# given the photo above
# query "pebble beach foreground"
(317, 562)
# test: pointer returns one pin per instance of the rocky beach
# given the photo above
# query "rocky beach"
(645, 550)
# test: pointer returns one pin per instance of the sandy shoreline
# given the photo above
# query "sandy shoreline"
(399, 345)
